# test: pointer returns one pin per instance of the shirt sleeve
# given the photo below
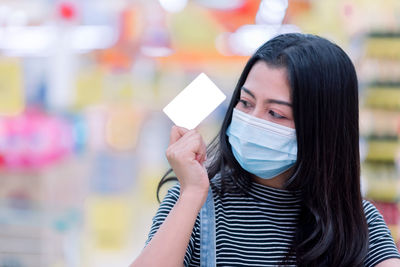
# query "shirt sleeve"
(381, 244)
(165, 207)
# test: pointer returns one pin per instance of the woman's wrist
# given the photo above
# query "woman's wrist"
(194, 198)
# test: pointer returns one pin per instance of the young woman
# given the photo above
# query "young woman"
(280, 184)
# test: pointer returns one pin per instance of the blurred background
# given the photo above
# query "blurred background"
(82, 86)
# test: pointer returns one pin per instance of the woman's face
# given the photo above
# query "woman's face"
(266, 95)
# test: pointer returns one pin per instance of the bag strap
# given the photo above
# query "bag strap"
(207, 232)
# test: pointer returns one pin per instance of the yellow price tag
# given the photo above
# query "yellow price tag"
(109, 221)
(11, 87)
(89, 88)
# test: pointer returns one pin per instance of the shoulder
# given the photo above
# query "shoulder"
(370, 211)
(381, 243)
(173, 192)
(169, 199)
(167, 203)
(374, 219)
(373, 216)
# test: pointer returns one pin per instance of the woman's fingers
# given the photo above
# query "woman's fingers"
(176, 133)
(184, 141)
(202, 151)
(186, 154)
(195, 142)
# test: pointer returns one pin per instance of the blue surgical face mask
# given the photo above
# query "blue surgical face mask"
(261, 147)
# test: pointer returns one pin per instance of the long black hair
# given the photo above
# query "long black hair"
(332, 229)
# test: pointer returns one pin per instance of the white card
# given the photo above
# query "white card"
(195, 102)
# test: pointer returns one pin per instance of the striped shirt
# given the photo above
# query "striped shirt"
(257, 229)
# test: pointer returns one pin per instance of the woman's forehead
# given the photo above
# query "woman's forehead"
(265, 81)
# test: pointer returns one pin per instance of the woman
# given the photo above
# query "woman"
(281, 185)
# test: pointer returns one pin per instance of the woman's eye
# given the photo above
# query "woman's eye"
(276, 115)
(245, 103)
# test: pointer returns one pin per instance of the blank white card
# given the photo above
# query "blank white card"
(195, 102)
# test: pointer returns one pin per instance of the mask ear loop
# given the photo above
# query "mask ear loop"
(296, 173)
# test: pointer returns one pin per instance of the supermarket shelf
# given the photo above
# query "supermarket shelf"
(383, 45)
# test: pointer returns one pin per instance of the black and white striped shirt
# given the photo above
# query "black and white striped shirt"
(256, 230)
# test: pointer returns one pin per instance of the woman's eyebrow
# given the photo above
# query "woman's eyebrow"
(248, 92)
(269, 101)
(279, 102)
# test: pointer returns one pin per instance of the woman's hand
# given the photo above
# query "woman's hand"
(186, 154)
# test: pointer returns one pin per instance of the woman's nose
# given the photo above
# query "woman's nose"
(258, 112)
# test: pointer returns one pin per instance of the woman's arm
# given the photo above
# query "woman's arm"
(186, 154)
(169, 244)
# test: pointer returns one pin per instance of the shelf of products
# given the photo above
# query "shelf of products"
(380, 125)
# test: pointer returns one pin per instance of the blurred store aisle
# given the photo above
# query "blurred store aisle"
(82, 86)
